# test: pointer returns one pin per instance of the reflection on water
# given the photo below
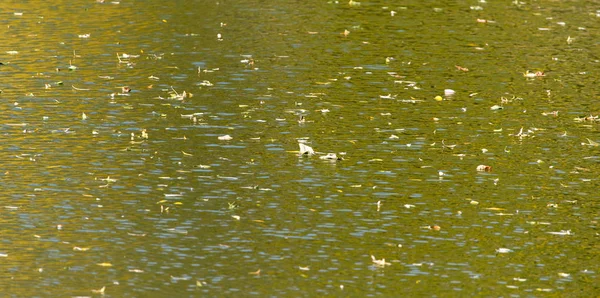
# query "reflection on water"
(183, 177)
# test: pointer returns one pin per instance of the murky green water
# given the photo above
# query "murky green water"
(92, 204)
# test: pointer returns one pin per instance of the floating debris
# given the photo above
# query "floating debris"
(330, 156)
(434, 227)
(590, 143)
(536, 74)
(503, 250)
(461, 68)
(225, 138)
(305, 149)
(561, 233)
(379, 263)
(553, 113)
(389, 96)
(590, 118)
(484, 168)
(206, 83)
(257, 272)
(100, 291)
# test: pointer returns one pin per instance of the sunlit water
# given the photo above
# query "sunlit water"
(137, 194)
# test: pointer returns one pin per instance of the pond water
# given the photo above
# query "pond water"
(151, 148)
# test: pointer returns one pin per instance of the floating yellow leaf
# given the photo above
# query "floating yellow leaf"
(104, 264)
(77, 248)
